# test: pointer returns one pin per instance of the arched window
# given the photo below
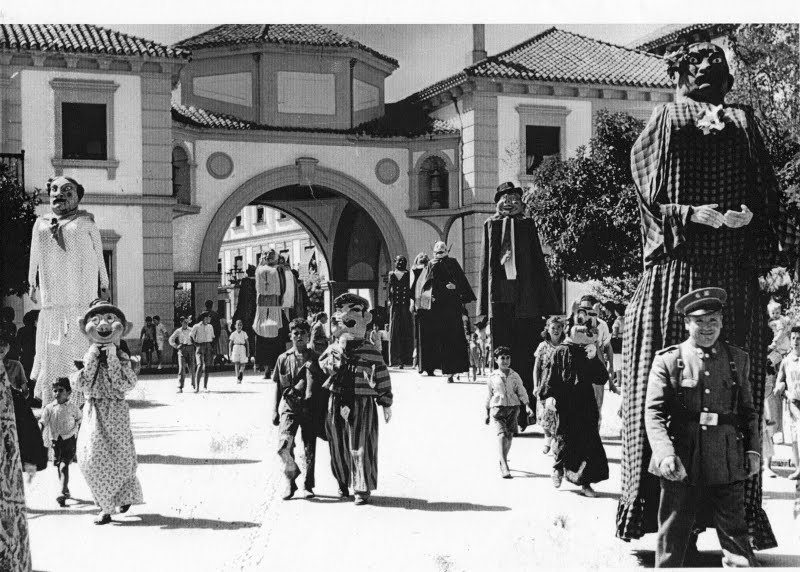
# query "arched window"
(433, 182)
(181, 179)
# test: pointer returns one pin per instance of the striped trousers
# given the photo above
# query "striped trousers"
(354, 444)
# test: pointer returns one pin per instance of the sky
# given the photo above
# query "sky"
(426, 53)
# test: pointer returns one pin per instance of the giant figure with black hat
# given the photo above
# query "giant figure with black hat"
(711, 215)
(703, 430)
(515, 289)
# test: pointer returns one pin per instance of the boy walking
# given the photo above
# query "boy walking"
(62, 420)
(299, 403)
(202, 335)
(506, 393)
(161, 337)
(181, 340)
(788, 386)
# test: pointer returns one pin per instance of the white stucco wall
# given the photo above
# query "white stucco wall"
(579, 129)
(38, 132)
(253, 158)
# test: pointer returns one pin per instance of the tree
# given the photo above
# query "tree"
(17, 215)
(316, 295)
(587, 212)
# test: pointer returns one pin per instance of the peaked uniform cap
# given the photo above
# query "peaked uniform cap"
(701, 301)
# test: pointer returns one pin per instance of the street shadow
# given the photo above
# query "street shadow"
(517, 474)
(156, 433)
(326, 499)
(74, 507)
(173, 522)
(611, 439)
(769, 495)
(713, 559)
(214, 391)
(142, 404)
(599, 494)
(156, 459)
(529, 435)
(423, 505)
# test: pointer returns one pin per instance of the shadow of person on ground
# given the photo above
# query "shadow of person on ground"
(143, 404)
(422, 504)
(174, 522)
(713, 559)
(74, 507)
(155, 459)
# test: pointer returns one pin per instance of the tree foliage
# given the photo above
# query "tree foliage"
(586, 209)
(17, 215)
(316, 295)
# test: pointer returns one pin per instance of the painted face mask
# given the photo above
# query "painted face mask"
(350, 317)
(64, 196)
(439, 250)
(703, 72)
(509, 204)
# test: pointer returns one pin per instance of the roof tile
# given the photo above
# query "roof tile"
(81, 38)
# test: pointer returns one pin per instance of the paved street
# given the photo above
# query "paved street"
(210, 478)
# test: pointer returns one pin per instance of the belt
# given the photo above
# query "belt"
(706, 418)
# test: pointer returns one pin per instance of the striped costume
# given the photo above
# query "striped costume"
(675, 165)
(359, 383)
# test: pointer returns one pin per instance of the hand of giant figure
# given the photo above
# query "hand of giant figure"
(66, 269)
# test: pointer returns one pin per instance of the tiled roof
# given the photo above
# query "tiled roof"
(301, 34)
(397, 122)
(668, 34)
(560, 56)
(81, 38)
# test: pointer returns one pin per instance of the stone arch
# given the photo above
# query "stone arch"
(299, 174)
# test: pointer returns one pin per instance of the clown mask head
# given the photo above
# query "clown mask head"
(401, 262)
(104, 323)
(350, 317)
(702, 72)
(440, 250)
(508, 200)
(65, 195)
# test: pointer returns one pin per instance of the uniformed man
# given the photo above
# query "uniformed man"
(703, 431)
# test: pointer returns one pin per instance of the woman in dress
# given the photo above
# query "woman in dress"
(552, 336)
(711, 215)
(420, 262)
(239, 350)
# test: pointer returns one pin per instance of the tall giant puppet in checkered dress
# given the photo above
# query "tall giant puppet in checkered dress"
(711, 215)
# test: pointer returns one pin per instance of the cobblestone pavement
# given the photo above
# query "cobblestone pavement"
(211, 482)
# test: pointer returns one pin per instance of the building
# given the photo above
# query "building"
(293, 118)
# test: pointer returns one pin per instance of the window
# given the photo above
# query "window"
(84, 124)
(237, 222)
(181, 186)
(282, 216)
(540, 142)
(259, 215)
(313, 93)
(238, 262)
(109, 240)
(258, 258)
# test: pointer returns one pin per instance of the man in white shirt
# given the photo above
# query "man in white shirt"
(181, 340)
(202, 335)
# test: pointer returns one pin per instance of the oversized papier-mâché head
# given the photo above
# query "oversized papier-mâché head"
(350, 316)
(104, 323)
(65, 194)
(701, 71)
(508, 200)
(401, 262)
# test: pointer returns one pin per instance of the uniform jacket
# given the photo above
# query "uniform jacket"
(712, 455)
(532, 292)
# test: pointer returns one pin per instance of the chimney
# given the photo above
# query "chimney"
(478, 42)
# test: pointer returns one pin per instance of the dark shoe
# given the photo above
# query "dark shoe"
(557, 477)
(343, 492)
(61, 500)
(449, 379)
(288, 493)
(362, 498)
(308, 494)
(794, 476)
(124, 508)
(103, 519)
(430, 373)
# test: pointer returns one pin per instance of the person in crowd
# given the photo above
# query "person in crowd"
(704, 184)
(239, 350)
(222, 349)
(202, 336)
(61, 419)
(420, 263)
(401, 327)
(772, 403)
(15, 550)
(213, 320)
(505, 395)
(181, 340)
(26, 342)
(568, 388)
(788, 386)
(617, 328)
(552, 336)
(65, 271)
(268, 321)
(106, 453)
(476, 358)
(319, 337)
(161, 338)
(246, 303)
(358, 380)
(780, 326)
(299, 403)
(515, 286)
(9, 329)
(147, 337)
(442, 290)
(703, 431)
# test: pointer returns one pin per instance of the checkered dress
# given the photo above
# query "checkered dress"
(676, 165)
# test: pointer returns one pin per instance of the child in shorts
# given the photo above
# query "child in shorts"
(506, 393)
(62, 419)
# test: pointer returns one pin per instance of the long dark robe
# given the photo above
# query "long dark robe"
(401, 334)
(443, 344)
(675, 165)
(577, 446)
(246, 310)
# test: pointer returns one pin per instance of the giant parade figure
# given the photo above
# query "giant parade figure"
(515, 289)
(711, 216)
(67, 258)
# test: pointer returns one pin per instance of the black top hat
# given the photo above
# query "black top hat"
(506, 188)
(701, 302)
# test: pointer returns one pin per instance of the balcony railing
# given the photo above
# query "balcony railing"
(16, 164)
